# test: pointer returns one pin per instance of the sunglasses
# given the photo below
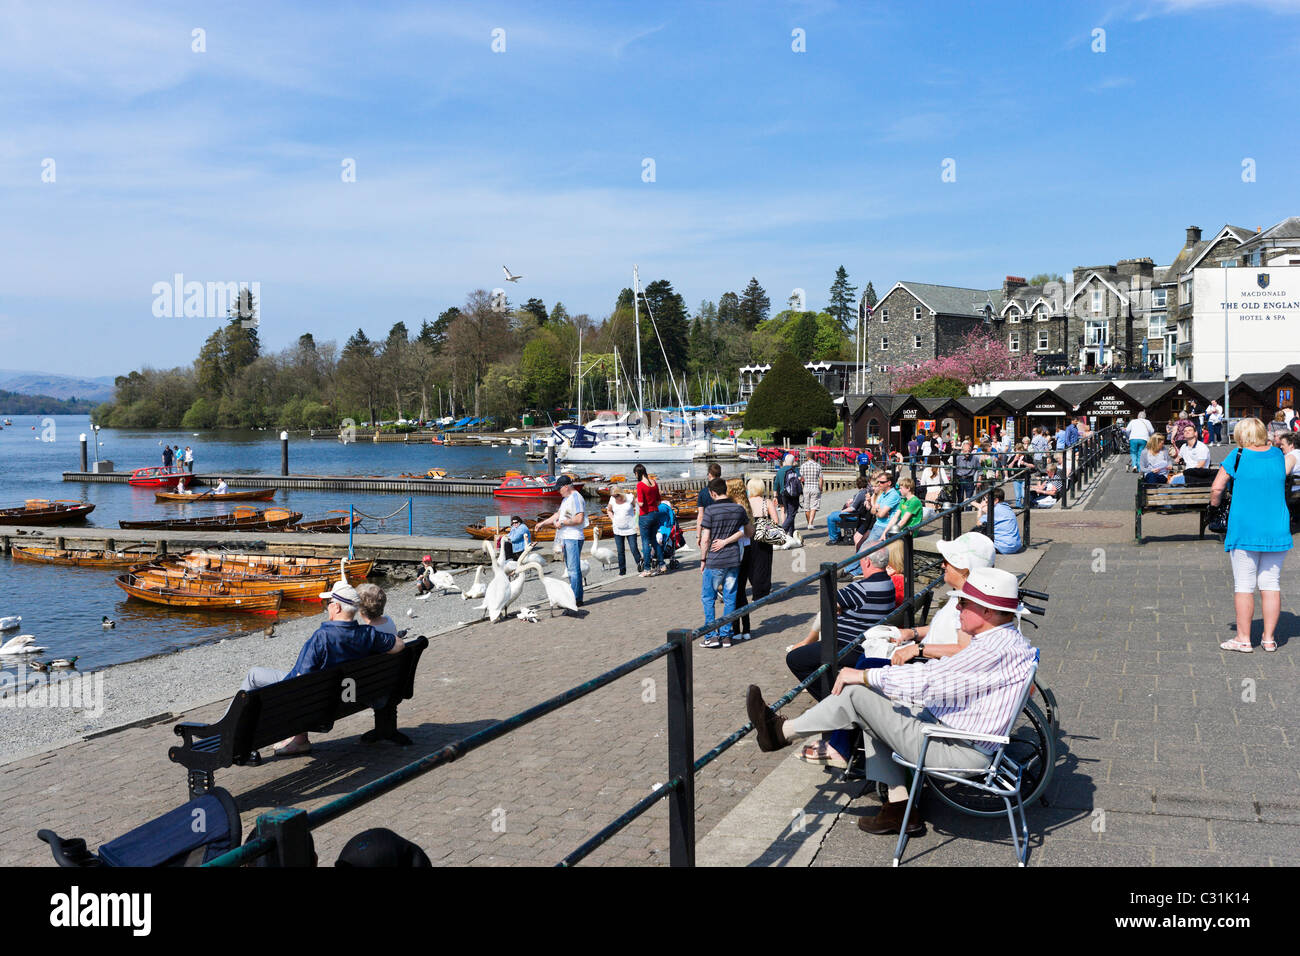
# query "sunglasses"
(964, 603)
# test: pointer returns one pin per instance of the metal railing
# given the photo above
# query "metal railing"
(284, 834)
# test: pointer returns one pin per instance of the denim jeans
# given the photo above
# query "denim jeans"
(649, 525)
(631, 543)
(1020, 493)
(262, 677)
(708, 589)
(833, 522)
(573, 564)
(1135, 446)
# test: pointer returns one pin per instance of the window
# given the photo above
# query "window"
(1095, 333)
(884, 315)
(916, 341)
(884, 343)
(1042, 340)
(1156, 325)
(1015, 315)
(1096, 301)
(1042, 314)
(1158, 298)
(916, 313)
(1015, 342)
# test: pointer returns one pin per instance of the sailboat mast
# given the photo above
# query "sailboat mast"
(636, 319)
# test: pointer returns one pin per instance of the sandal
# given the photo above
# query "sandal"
(1235, 645)
(1268, 645)
(823, 753)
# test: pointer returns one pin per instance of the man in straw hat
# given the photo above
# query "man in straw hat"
(338, 640)
(976, 690)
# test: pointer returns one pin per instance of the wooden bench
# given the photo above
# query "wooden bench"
(310, 703)
(1195, 498)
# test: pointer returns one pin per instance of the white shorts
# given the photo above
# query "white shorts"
(1256, 569)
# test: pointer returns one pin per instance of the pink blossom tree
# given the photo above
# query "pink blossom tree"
(981, 357)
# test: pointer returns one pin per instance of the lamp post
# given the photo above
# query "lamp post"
(96, 428)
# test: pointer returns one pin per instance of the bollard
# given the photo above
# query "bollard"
(284, 453)
(85, 460)
(293, 843)
(828, 635)
(681, 750)
(410, 516)
(550, 456)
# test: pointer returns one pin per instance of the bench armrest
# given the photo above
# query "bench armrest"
(188, 731)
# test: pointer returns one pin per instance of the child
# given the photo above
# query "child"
(909, 513)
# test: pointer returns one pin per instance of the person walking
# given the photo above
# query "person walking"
(1139, 432)
(569, 521)
(622, 517)
(647, 510)
(810, 473)
(964, 466)
(1259, 529)
(788, 507)
(1214, 418)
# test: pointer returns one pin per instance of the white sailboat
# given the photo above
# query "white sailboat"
(579, 445)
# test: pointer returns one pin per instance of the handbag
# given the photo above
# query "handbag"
(1218, 514)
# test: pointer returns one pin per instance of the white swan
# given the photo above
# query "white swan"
(558, 593)
(444, 581)
(791, 541)
(6, 623)
(605, 556)
(527, 614)
(22, 644)
(497, 590)
(478, 588)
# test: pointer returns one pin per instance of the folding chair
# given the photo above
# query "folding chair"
(1001, 779)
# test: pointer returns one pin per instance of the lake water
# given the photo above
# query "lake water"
(63, 606)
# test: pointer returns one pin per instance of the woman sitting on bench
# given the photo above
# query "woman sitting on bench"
(1155, 464)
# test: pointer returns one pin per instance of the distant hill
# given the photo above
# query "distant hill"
(11, 403)
(50, 385)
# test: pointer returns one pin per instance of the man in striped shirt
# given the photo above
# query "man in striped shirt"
(974, 690)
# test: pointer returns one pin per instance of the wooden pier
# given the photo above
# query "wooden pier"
(380, 483)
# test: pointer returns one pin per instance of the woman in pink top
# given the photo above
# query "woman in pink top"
(647, 509)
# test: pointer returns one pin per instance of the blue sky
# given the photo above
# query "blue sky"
(225, 165)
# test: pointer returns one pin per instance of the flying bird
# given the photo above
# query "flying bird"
(510, 276)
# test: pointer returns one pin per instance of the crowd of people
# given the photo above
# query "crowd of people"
(172, 455)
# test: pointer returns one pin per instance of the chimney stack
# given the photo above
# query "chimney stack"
(1011, 283)
(1193, 234)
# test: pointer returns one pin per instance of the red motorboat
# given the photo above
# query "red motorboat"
(157, 477)
(530, 486)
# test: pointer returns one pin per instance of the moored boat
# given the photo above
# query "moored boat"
(256, 494)
(41, 511)
(281, 564)
(201, 597)
(302, 588)
(156, 477)
(531, 486)
(76, 558)
(271, 519)
(341, 524)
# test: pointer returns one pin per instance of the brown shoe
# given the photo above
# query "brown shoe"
(767, 725)
(890, 819)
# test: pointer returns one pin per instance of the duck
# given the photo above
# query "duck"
(38, 666)
(9, 623)
(605, 556)
(22, 644)
(478, 588)
(558, 593)
(106, 623)
(64, 662)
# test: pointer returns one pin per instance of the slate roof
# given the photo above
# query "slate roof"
(1021, 398)
(1286, 229)
(1076, 393)
(955, 300)
(1147, 394)
(1186, 256)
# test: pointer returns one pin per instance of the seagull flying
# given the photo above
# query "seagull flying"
(510, 276)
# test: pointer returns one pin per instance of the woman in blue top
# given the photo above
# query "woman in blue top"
(518, 538)
(1259, 529)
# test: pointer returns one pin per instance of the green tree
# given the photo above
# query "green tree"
(545, 370)
(559, 314)
(842, 301)
(790, 401)
(754, 305)
(668, 311)
(729, 309)
(1045, 277)
(803, 335)
(939, 387)
(359, 366)
(538, 308)
(869, 297)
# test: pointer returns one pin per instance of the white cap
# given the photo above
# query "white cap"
(971, 551)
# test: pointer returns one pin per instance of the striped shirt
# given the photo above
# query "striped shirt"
(863, 604)
(976, 690)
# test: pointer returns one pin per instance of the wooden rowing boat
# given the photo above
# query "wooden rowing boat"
(256, 494)
(486, 533)
(302, 589)
(201, 597)
(81, 559)
(269, 520)
(339, 525)
(40, 511)
(281, 564)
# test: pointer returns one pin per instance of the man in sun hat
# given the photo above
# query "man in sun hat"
(338, 640)
(975, 691)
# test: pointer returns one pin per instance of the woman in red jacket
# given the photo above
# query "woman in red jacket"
(647, 510)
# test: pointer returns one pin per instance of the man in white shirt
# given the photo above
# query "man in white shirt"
(1214, 417)
(569, 520)
(1194, 454)
(976, 690)
(1139, 432)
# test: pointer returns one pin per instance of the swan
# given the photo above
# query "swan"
(22, 644)
(494, 597)
(444, 581)
(791, 541)
(605, 556)
(478, 588)
(527, 614)
(7, 623)
(558, 593)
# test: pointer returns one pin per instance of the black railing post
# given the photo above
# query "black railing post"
(909, 565)
(293, 845)
(1029, 506)
(681, 750)
(956, 520)
(829, 631)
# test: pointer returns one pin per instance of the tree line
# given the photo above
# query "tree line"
(487, 358)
